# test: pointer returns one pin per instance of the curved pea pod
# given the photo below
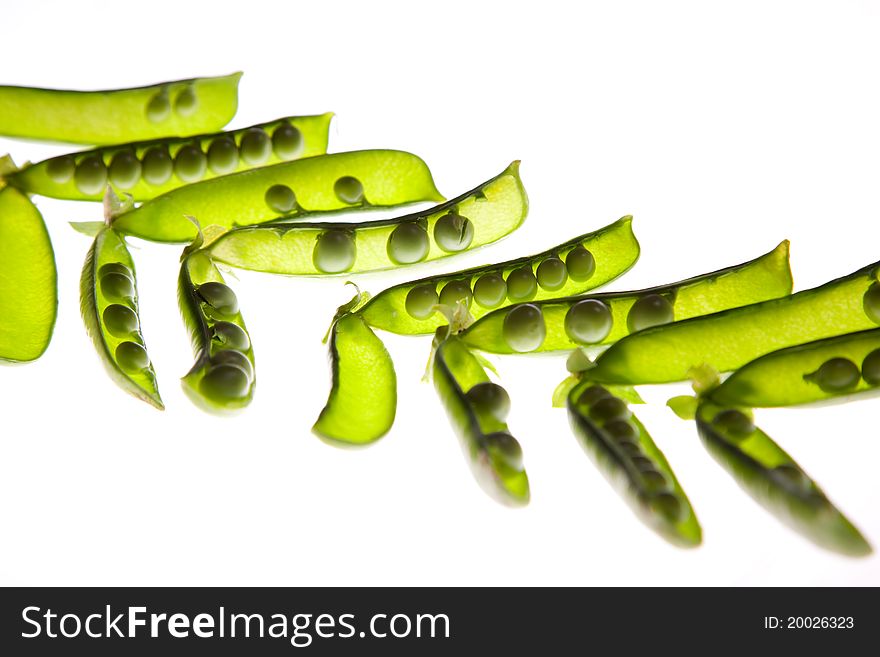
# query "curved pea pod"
(28, 280)
(620, 446)
(181, 107)
(222, 377)
(729, 339)
(494, 455)
(599, 256)
(601, 319)
(774, 480)
(146, 169)
(109, 305)
(486, 214)
(325, 183)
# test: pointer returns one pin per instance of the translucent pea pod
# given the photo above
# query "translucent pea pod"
(180, 107)
(389, 178)
(109, 305)
(620, 446)
(144, 169)
(596, 320)
(493, 454)
(773, 479)
(494, 209)
(397, 309)
(28, 280)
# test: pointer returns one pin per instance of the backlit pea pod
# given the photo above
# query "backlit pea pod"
(180, 107)
(773, 479)
(109, 305)
(146, 169)
(599, 256)
(601, 319)
(222, 378)
(620, 446)
(28, 280)
(324, 183)
(489, 212)
(477, 409)
(729, 339)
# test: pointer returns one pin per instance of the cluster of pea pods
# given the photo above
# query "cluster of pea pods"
(253, 198)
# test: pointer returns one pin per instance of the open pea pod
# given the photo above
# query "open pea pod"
(481, 216)
(729, 339)
(477, 409)
(773, 479)
(28, 280)
(109, 305)
(181, 107)
(622, 449)
(146, 169)
(601, 319)
(583, 263)
(325, 183)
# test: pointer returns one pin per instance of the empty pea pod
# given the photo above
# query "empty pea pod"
(600, 319)
(181, 107)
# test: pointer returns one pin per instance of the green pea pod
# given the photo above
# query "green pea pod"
(326, 183)
(222, 378)
(28, 280)
(601, 319)
(600, 256)
(146, 169)
(363, 399)
(774, 480)
(181, 107)
(624, 452)
(489, 212)
(729, 339)
(109, 305)
(494, 455)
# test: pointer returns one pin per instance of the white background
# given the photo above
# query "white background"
(723, 127)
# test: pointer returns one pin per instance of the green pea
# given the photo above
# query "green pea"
(588, 322)
(233, 357)
(91, 175)
(120, 321)
(157, 166)
(117, 286)
(580, 263)
(790, 476)
(522, 284)
(190, 163)
(668, 507)
(622, 430)
(231, 336)
(255, 146)
(334, 252)
(504, 448)
(734, 423)
(524, 329)
(220, 297)
(287, 141)
(408, 244)
(490, 290)
(61, 169)
(631, 448)
(420, 301)
(871, 303)
(642, 463)
(551, 274)
(650, 310)
(186, 102)
(158, 107)
(223, 156)
(591, 395)
(225, 382)
(349, 189)
(280, 198)
(455, 291)
(453, 232)
(871, 368)
(489, 399)
(132, 357)
(836, 375)
(609, 408)
(125, 169)
(115, 268)
(653, 481)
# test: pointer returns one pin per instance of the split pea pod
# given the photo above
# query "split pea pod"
(325, 183)
(181, 107)
(109, 305)
(146, 169)
(773, 479)
(602, 319)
